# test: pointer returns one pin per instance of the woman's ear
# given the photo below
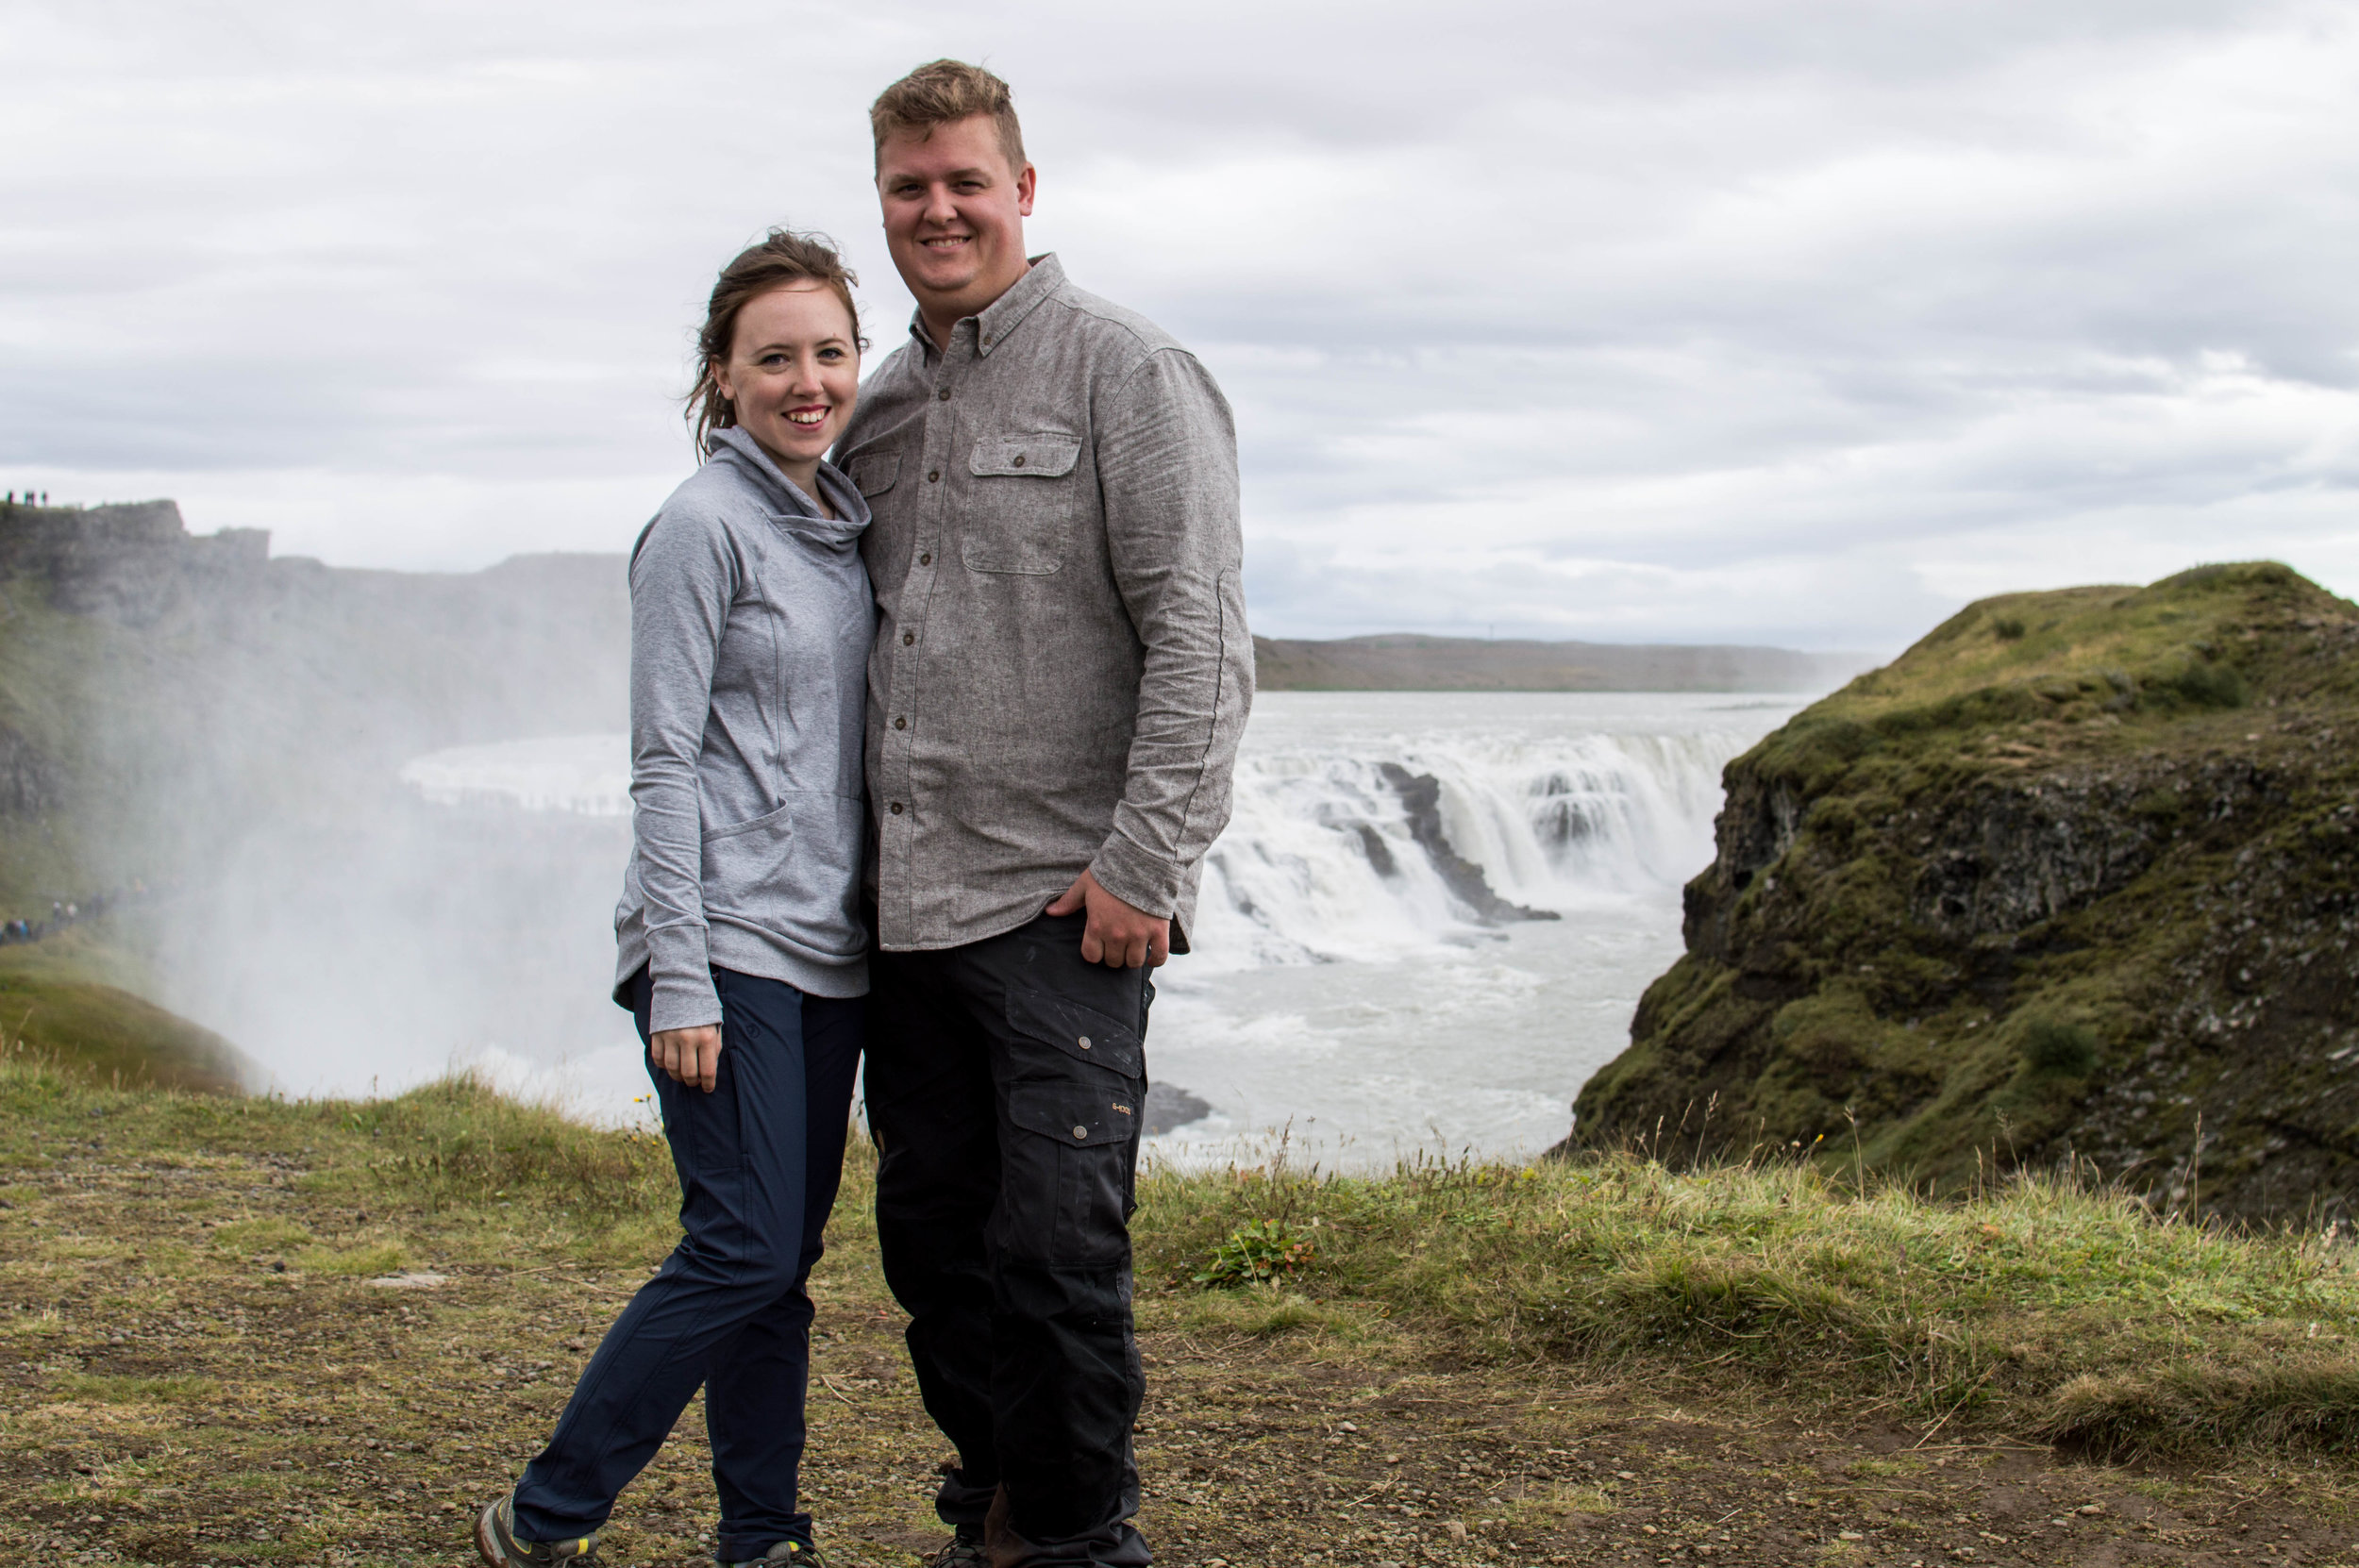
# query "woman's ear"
(718, 374)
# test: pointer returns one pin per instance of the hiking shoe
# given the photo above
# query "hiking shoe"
(496, 1538)
(802, 1554)
(964, 1551)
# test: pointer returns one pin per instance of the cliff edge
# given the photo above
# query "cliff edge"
(2076, 875)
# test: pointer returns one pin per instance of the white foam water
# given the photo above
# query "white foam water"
(1341, 990)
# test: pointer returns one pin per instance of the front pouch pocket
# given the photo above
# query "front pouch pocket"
(1027, 505)
(743, 860)
(1081, 1032)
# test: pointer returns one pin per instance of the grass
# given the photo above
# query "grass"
(2041, 1305)
(201, 1361)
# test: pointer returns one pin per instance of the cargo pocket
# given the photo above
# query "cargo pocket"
(1064, 1189)
(1025, 503)
(1081, 1032)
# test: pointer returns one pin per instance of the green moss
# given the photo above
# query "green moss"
(2007, 898)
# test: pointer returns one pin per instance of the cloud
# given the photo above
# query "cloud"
(1697, 320)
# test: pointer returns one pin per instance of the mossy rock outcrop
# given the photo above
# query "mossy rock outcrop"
(2078, 874)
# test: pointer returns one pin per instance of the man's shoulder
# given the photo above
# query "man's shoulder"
(1108, 325)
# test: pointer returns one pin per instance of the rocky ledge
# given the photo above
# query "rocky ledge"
(2076, 876)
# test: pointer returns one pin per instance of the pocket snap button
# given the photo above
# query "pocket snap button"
(1080, 1132)
(1019, 459)
(1084, 1043)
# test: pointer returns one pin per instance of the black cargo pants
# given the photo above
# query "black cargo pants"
(1004, 1082)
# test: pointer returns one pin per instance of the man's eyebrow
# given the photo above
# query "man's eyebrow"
(908, 176)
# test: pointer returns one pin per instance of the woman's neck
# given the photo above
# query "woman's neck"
(806, 478)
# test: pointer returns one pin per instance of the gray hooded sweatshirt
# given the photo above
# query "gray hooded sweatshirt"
(750, 621)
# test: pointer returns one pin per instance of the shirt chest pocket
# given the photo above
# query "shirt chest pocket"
(1028, 501)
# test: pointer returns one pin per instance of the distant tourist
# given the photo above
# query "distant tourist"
(1060, 683)
(743, 957)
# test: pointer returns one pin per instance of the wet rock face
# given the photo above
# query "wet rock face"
(1421, 798)
(1978, 909)
(28, 782)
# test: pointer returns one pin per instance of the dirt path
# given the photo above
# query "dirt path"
(167, 1397)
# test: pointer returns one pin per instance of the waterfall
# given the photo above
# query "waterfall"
(1320, 861)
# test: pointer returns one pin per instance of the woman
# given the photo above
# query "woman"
(743, 955)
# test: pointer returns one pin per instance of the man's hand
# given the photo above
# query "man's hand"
(693, 1057)
(1118, 935)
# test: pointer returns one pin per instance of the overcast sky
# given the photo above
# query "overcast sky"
(1700, 320)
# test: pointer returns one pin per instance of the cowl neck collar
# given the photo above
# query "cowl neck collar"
(791, 508)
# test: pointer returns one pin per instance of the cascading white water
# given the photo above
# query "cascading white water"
(1319, 862)
(1337, 983)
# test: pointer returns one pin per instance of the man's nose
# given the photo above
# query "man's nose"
(940, 208)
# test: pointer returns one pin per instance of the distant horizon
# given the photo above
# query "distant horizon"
(1794, 327)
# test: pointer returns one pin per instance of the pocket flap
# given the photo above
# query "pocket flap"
(1044, 455)
(1083, 1033)
(874, 475)
(1084, 1118)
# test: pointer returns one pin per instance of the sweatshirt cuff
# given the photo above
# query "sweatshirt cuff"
(679, 974)
(1146, 882)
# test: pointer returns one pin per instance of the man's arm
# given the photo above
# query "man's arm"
(1167, 466)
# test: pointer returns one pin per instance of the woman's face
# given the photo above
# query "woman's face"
(792, 373)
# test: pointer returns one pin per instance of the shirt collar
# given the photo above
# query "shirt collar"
(1002, 316)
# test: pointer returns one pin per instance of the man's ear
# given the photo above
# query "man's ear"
(1024, 185)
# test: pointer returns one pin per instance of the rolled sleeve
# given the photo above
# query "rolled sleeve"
(1168, 455)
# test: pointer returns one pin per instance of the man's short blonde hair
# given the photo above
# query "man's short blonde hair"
(940, 92)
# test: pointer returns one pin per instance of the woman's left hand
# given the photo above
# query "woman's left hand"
(693, 1057)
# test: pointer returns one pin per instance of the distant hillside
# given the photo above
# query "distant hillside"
(1402, 662)
(2076, 875)
(160, 692)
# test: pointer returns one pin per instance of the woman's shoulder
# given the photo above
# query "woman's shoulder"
(699, 516)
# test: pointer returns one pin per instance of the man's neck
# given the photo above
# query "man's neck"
(939, 325)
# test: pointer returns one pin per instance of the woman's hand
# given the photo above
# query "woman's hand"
(693, 1057)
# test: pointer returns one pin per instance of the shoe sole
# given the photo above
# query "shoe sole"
(487, 1544)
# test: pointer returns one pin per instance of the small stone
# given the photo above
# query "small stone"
(2090, 1508)
(1350, 1427)
(1850, 1535)
(1457, 1531)
(1626, 1475)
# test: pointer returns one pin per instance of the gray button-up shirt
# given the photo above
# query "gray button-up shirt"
(1061, 669)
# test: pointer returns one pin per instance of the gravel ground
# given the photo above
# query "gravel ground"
(168, 1398)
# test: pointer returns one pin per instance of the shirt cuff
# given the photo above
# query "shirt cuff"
(679, 974)
(1147, 882)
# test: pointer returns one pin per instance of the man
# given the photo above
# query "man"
(1061, 677)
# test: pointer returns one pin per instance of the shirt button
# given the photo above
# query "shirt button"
(943, 394)
(935, 478)
(897, 807)
(1084, 1043)
(926, 559)
(1019, 459)
(904, 724)
(908, 638)
(1080, 1132)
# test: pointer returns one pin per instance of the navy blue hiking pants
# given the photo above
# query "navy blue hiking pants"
(759, 1158)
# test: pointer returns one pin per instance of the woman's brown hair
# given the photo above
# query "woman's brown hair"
(784, 258)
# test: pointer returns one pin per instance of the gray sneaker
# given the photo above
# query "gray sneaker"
(495, 1540)
(802, 1554)
(964, 1551)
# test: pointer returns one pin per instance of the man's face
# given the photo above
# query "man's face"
(954, 215)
